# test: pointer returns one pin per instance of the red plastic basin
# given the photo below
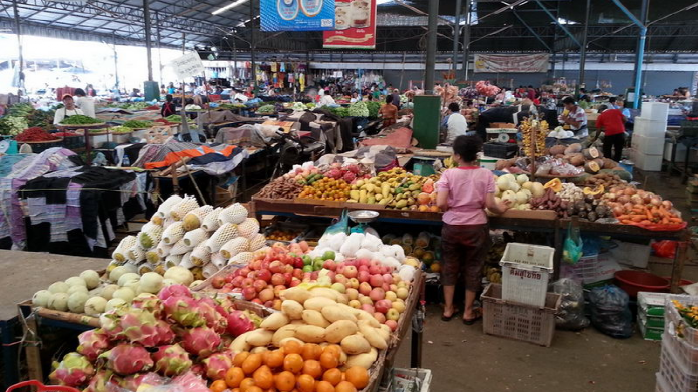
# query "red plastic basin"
(633, 281)
(682, 282)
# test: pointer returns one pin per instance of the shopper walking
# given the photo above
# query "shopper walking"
(612, 123)
(463, 194)
(85, 103)
(575, 118)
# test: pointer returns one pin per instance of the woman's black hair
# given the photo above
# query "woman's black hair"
(80, 92)
(389, 98)
(568, 100)
(467, 147)
(454, 107)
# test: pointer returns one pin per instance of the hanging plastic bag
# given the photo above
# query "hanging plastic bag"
(572, 248)
(666, 249)
(610, 313)
(571, 313)
(341, 226)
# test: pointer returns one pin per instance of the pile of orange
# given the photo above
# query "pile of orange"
(327, 189)
(294, 367)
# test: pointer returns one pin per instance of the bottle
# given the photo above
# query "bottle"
(125, 161)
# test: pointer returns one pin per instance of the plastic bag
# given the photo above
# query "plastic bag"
(666, 249)
(610, 313)
(341, 226)
(572, 248)
(571, 313)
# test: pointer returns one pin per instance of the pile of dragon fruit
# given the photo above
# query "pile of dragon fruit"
(176, 333)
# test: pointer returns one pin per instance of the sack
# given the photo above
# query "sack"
(572, 248)
(571, 313)
(610, 313)
(666, 249)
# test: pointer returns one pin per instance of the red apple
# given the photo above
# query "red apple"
(287, 278)
(249, 293)
(295, 282)
(259, 285)
(392, 324)
(314, 275)
(278, 279)
(297, 262)
(243, 271)
(255, 265)
(229, 278)
(247, 282)
(339, 278)
(374, 269)
(252, 275)
(237, 281)
(306, 277)
(354, 283)
(268, 304)
(288, 269)
(329, 265)
(379, 316)
(377, 294)
(218, 282)
(364, 262)
(386, 270)
(265, 265)
(257, 301)
(264, 275)
(364, 276)
(267, 294)
(276, 267)
(297, 273)
(363, 268)
(368, 308)
(350, 272)
(376, 280)
(365, 288)
(383, 306)
(331, 275)
(278, 289)
(388, 278)
(340, 267)
(225, 290)
(352, 262)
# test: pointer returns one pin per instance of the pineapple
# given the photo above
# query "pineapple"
(242, 258)
(225, 233)
(235, 246)
(200, 256)
(257, 242)
(173, 233)
(194, 218)
(173, 260)
(183, 207)
(195, 237)
(249, 228)
(210, 222)
(136, 254)
(149, 236)
(235, 214)
(209, 270)
(120, 254)
(164, 209)
(218, 260)
(186, 261)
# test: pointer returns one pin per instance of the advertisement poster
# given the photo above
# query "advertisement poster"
(355, 25)
(511, 63)
(297, 15)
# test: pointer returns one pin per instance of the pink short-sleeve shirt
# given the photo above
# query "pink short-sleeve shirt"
(467, 191)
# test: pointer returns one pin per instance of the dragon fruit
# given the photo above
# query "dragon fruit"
(185, 311)
(149, 303)
(127, 359)
(217, 364)
(198, 369)
(238, 323)
(175, 290)
(72, 371)
(92, 343)
(214, 319)
(172, 360)
(201, 341)
(109, 323)
(349, 177)
(132, 382)
(100, 381)
(334, 174)
(140, 326)
(354, 168)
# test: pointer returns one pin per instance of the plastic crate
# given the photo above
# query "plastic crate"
(685, 355)
(670, 369)
(526, 270)
(500, 150)
(649, 333)
(652, 304)
(519, 322)
(675, 323)
(661, 384)
(410, 380)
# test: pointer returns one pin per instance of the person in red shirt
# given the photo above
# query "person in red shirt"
(612, 123)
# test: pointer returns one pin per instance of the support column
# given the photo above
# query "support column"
(157, 32)
(456, 36)
(431, 46)
(116, 65)
(184, 41)
(644, 12)
(466, 39)
(19, 43)
(148, 43)
(583, 48)
(252, 46)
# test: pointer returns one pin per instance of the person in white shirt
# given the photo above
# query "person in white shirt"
(325, 99)
(355, 97)
(85, 103)
(67, 110)
(239, 96)
(455, 123)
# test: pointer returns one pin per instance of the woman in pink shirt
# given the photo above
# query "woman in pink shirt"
(464, 193)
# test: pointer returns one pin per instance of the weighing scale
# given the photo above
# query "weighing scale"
(363, 218)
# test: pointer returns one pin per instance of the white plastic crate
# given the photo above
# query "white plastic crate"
(661, 384)
(648, 145)
(646, 162)
(649, 128)
(526, 270)
(671, 371)
(675, 324)
(408, 380)
(684, 355)
(658, 111)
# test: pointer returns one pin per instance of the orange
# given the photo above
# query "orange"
(345, 386)
(311, 351)
(324, 386)
(329, 360)
(293, 363)
(254, 388)
(218, 386)
(305, 383)
(263, 378)
(246, 384)
(239, 358)
(235, 390)
(275, 359)
(251, 363)
(285, 381)
(234, 376)
(292, 347)
(357, 376)
(332, 348)
(333, 376)
(312, 367)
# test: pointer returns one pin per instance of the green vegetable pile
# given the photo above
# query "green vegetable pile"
(40, 118)
(175, 118)
(339, 111)
(373, 109)
(358, 109)
(12, 125)
(137, 124)
(266, 109)
(79, 119)
(298, 106)
(129, 105)
(20, 109)
(310, 105)
(120, 129)
(229, 106)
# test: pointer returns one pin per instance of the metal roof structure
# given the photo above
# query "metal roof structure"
(496, 26)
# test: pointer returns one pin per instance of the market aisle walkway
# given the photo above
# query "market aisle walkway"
(463, 358)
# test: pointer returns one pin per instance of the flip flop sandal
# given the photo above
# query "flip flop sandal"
(478, 316)
(449, 318)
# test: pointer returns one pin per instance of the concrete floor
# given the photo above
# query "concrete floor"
(463, 358)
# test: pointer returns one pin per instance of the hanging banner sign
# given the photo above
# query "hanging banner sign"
(355, 25)
(297, 15)
(495, 63)
(187, 66)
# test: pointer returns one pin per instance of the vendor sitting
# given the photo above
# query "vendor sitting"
(67, 110)
(455, 123)
(388, 112)
(575, 118)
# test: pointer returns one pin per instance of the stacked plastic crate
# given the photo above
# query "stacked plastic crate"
(678, 364)
(650, 314)
(648, 136)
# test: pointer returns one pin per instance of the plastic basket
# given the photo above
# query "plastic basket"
(670, 369)
(420, 378)
(519, 322)
(526, 270)
(500, 150)
(675, 323)
(683, 353)
(661, 384)
(41, 387)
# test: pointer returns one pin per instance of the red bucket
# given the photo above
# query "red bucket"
(633, 281)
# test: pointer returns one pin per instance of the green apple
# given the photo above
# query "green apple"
(307, 260)
(307, 268)
(328, 255)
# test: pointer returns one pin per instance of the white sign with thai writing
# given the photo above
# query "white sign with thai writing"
(187, 66)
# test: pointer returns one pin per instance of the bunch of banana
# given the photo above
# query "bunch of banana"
(528, 127)
(527, 130)
(449, 163)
